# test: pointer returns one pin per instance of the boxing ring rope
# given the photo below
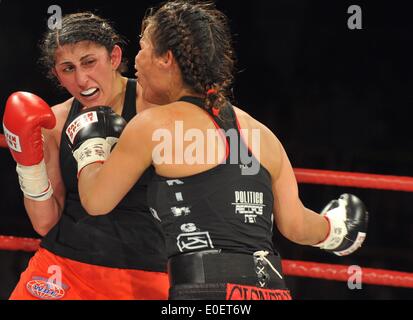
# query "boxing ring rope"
(11, 243)
(302, 268)
(353, 179)
(341, 273)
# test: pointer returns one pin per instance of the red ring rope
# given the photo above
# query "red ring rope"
(19, 244)
(341, 273)
(352, 179)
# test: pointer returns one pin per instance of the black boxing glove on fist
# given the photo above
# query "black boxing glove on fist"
(348, 219)
(93, 134)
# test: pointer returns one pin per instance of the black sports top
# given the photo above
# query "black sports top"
(128, 237)
(222, 208)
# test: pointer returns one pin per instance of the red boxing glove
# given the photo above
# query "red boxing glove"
(23, 119)
(25, 116)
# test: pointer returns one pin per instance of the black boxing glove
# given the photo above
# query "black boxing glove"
(348, 219)
(93, 134)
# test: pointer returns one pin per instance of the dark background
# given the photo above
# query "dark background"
(337, 99)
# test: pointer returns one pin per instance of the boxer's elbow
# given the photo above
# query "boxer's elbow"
(94, 205)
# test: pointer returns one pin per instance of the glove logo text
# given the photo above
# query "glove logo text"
(12, 140)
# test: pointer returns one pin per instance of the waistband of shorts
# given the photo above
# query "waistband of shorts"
(214, 266)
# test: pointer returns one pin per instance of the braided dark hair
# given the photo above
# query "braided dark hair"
(198, 36)
(76, 27)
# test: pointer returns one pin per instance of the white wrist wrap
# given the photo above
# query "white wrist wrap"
(34, 181)
(93, 150)
(338, 230)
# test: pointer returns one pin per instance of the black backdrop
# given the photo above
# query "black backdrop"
(338, 99)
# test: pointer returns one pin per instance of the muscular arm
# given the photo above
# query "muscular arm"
(102, 187)
(293, 219)
(296, 222)
(45, 214)
(341, 228)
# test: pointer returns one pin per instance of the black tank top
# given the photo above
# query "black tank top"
(221, 208)
(128, 237)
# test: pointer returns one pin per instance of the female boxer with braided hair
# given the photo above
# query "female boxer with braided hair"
(118, 256)
(217, 208)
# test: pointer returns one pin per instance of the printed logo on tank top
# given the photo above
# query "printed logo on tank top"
(179, 212)
(193, 239)
(250, 204)
(179, 197)
(171, 183)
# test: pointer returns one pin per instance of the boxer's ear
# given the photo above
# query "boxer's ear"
(116, 57)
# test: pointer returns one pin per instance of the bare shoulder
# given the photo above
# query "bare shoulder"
(248, 122)
(271, 148)
(245, 119)
(61, 112)
(155, 117)
(240, 112)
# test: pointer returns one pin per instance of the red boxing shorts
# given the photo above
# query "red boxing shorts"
(51, 277)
